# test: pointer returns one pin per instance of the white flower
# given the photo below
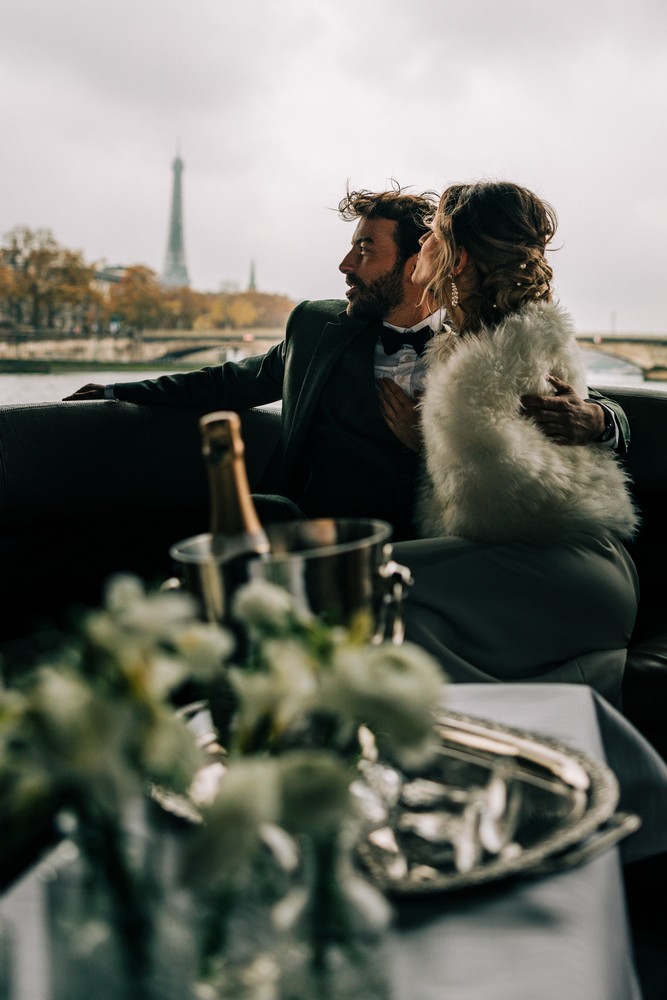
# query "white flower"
(225, 846)
(65, 704)
(153, 641)
(205, 647)
(286, 689)
(161, 674)
(315, 792)
(169, 751)
(265, 607)
(155, 616)
(80, 736)
(394, 690)
(122, 591)
(12, 707)
(295, 679)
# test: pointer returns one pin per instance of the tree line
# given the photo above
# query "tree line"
(46, 287)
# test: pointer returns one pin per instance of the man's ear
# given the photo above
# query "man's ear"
(408, 268)
(409, 264)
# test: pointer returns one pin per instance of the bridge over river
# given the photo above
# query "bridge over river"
(647, 352)
(156, 347)
(199, 347)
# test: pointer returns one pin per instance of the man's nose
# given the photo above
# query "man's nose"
(423, 238)
(346, 263)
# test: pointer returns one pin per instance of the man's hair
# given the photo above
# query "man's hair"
(412, 213)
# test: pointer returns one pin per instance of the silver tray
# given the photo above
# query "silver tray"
(564, 813)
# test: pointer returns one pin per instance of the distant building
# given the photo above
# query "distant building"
(106, 275)
(175, 273)
(252, 284)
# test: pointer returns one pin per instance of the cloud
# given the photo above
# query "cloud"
(274, 104)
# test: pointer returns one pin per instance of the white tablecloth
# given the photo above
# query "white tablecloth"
(557, 937)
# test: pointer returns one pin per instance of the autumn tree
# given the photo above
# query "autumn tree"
(245, 311)
(138, 298)
(30, 254)
(71, 294)
(42, 282)
(10, 300)
(46, 286)
(182, 306)
(271, 310)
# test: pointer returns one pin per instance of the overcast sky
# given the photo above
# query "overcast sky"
(276, 104)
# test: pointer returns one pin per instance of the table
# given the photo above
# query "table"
(561, 936)
(555, 937)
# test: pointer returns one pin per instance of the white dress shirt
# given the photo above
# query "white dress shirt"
(406, 367)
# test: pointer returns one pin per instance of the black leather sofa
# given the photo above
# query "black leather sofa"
(87, 489)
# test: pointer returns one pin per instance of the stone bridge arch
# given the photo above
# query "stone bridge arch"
(645, 352)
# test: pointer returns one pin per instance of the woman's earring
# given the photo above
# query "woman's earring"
(454, 295)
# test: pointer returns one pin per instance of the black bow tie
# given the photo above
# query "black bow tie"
(392, 340)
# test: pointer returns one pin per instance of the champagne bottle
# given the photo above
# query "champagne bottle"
(236, 531)
(237, 538)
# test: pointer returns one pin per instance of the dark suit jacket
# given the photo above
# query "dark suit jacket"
(295, 371)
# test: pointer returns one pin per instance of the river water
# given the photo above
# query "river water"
(38, 388)
(42, 388)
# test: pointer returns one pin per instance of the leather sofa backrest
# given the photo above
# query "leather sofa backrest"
(58, 460)
(89, 489)
(647, 412)
(646, 462)
(106, 481)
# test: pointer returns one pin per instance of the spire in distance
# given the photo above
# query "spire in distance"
(252, 283)
(175, 273)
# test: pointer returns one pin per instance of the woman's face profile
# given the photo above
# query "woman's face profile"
(427, 259)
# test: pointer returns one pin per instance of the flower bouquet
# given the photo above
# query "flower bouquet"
(256, 893)
(82, 736)
(311, 705)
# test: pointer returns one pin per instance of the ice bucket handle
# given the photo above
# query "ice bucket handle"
(391, 623)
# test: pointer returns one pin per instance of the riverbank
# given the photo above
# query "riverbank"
(49, 351)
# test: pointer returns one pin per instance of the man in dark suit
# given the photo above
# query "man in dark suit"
(349, 376)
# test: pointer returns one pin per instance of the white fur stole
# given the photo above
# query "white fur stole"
(492, 474)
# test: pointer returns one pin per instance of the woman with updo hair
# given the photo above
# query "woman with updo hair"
(503, 230)
(521, 573)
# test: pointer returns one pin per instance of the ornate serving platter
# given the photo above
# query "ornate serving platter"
(497, 802)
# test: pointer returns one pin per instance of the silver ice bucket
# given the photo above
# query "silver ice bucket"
(339, 570)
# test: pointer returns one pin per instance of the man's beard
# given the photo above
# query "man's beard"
(376, 299)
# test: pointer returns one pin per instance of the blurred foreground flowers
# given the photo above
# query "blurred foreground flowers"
(259, 877)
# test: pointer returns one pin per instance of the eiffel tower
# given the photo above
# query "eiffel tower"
(175, 272)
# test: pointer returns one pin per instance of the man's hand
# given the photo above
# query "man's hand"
(566, 418)
(400, 413)
(89, 391)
